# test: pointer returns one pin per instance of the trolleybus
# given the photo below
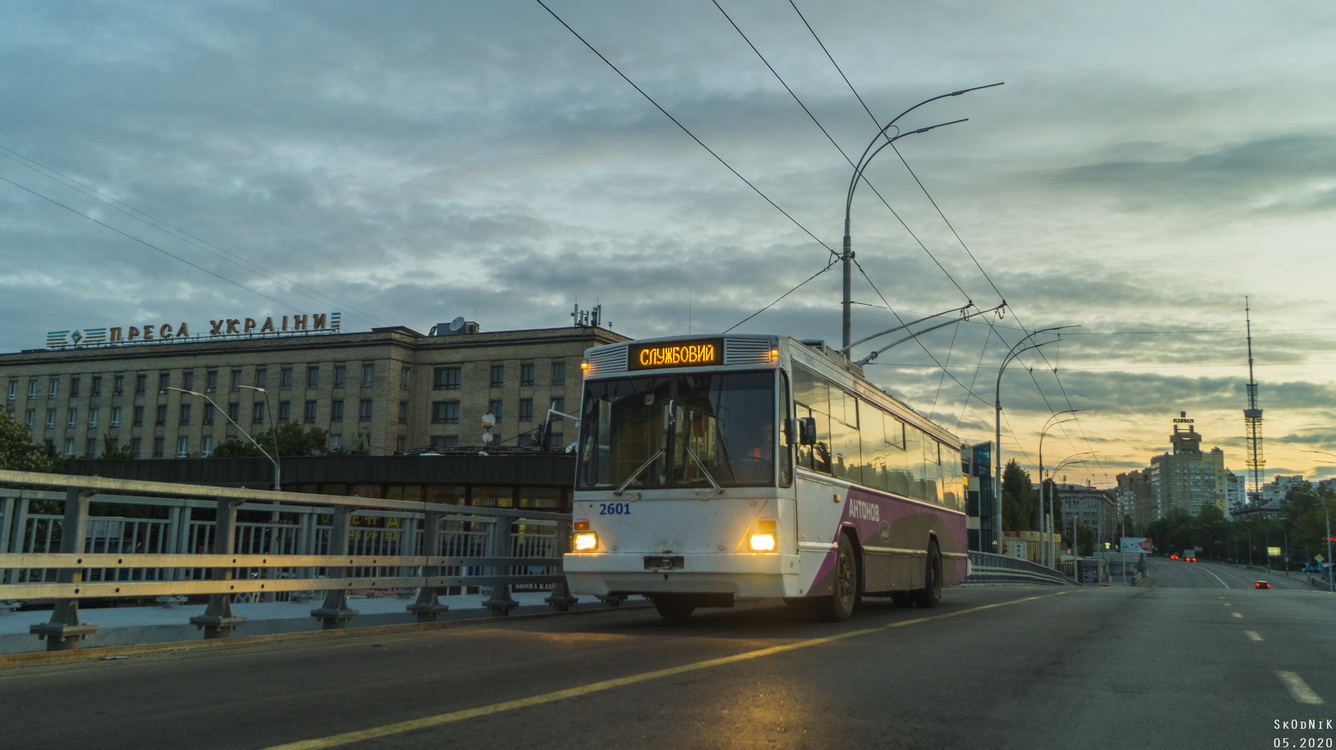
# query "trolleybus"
(712, 469)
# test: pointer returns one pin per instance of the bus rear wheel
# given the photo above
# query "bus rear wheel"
(839, 606)
(674, 607)
(931, 593)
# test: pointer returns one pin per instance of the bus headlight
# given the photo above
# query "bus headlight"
(584, 541)
(762, 538)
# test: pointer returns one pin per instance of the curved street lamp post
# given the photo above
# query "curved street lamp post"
(277, 474)
(847, 256)
(1045, 508)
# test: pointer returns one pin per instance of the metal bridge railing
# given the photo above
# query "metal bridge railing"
(986, 567)
(151, 540)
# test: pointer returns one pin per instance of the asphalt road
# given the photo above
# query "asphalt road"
(1197, 658)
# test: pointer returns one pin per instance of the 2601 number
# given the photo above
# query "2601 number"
(614, 509)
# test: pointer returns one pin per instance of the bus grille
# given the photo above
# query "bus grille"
(747, 351)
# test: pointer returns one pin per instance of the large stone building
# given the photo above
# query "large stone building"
(1188, 478)
(383, 391)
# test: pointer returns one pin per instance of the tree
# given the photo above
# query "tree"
(112, 451)
(292, 440)
(1020, 504)
(19, 453)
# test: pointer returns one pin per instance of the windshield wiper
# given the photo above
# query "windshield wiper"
(704, 470)
(637, 472)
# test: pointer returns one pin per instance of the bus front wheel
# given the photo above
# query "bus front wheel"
(840, 604)
(673, 607)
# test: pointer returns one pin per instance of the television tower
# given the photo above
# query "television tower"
(1252, 419)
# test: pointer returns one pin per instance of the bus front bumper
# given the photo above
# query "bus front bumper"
(742, 575)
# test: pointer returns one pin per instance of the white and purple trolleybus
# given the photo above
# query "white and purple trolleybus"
(720, 468)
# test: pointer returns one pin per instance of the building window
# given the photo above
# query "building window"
(97, 386)
(141, 384)
(164, 381)
(364, 410)
(526, 410)
(210, 381)
(309, 416)
(13, 390)
(55, 387)
(445, 412)
(69, 447)
(403, 412)
(159, 447)
(405, 378)
(444, 441)
(117, 385)
(208, 413)
(257, 412)
(285, 379)
(234, 411)
(188, 380)
(206, 446)
(558, 404)
(558, 373)
(368, 375)
(75, 383)
(284, 411)
(236, 380)
(498, 375)
(313, 376)
(185, 413)
(494, 408)
(115, 416)
(94, 415)
(526, 374)
(162, 414)
(336, 411)
(90, 448)
(445, 378)
(50, 418)
(137, 420)
(340, 375)
(32, 389)
(335, 442)
(182, 447)
(261, 378)
(73, 420)
(31, 417)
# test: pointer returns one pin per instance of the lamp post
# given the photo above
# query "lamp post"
(847, 256)
(1045, 512)
(1075, 458)
(1331, 569)
(1014, 352)
(273, 430)
(228, 417)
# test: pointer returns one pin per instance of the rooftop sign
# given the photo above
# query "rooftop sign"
(283, 325)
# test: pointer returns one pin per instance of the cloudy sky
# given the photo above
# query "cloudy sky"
(1145, 168)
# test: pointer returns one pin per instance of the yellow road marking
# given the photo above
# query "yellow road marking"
(598, 687)
(1299, 689)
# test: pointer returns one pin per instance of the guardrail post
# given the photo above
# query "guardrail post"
(561, 599)
(335, 613)
(501, 543)
(218, 620)
(427, 607)
(63, 631)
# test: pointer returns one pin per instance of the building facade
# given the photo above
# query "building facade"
(378, 392)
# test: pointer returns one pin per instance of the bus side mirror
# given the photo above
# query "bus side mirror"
(806, 430)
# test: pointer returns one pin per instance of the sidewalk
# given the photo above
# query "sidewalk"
(133, 626)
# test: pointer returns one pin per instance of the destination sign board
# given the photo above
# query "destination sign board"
(695, 353)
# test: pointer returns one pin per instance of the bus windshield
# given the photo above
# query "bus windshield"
(702, 430)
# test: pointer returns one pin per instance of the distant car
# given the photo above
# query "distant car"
(1261, 585)
(1173, 557)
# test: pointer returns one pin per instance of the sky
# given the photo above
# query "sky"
(1147, 171)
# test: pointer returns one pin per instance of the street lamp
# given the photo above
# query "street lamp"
(1015, 351)
(1331, 570)
(1075, 458)
(228, 417)
(273, 430)
(1045, 511)
(847, 256)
